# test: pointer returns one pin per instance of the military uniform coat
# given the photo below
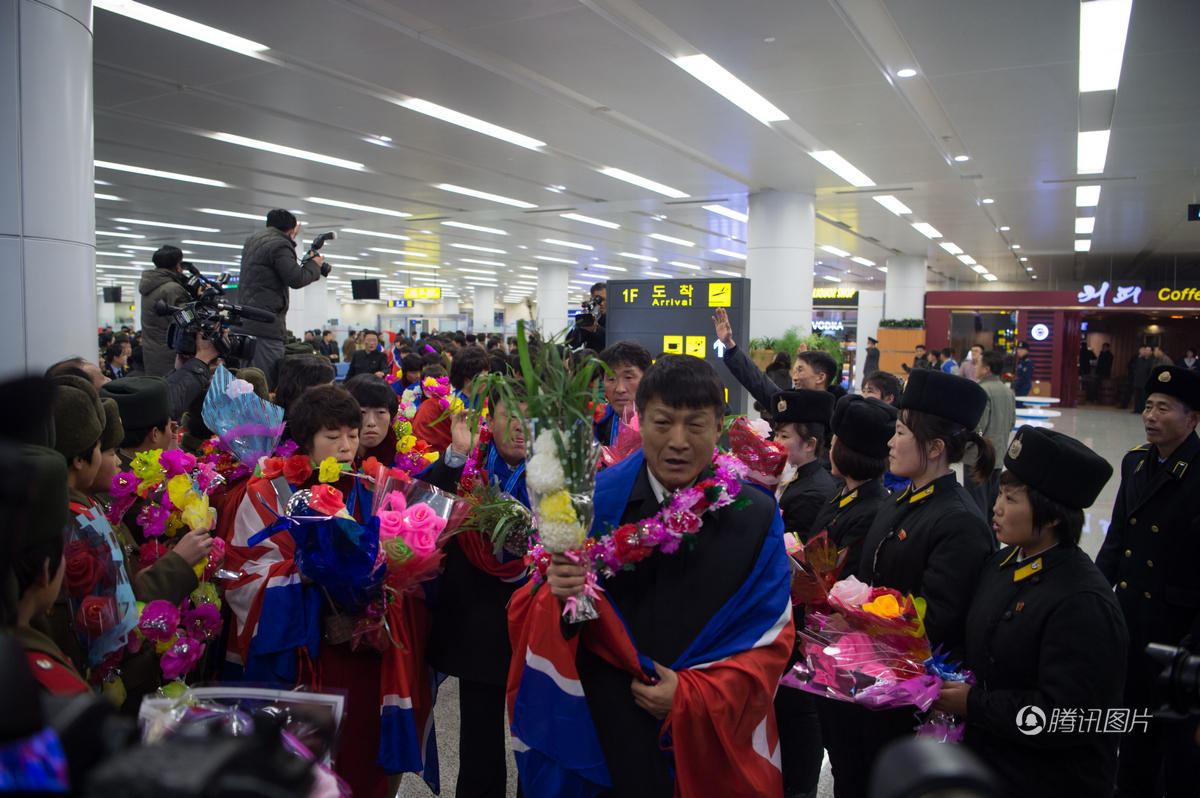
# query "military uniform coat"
(48, 664)
(1152, 552)
(931, 543)
(804, 496)
(1046, 632)
(847, 517)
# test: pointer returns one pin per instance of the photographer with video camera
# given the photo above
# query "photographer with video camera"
(269, 270)
(589, 332)
(166, 282)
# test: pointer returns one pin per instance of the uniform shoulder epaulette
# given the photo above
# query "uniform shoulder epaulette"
(1141, 448)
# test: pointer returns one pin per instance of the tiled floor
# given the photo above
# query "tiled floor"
(1107, 431)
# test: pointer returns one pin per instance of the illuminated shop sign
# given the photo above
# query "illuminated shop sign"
(1124, 293)
(828, 325)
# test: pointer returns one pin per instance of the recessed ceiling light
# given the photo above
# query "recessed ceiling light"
(692, 266)
(991, 278)
(656, 274)
(183, 26)
(483, 195)
(114, 255)
(111, 197)
(336, 256)
(607, 268)
(725, 83)
(841, 253)
(729, 254)
(1085, 225)
(961, 158)
(907, 72)
(405, 252)
(118, 235)
(217, 244)
(1016, 246)
(979, 268)
(1087, 196)
(1103, 27)
(482, 262)
(356, 232)
(831, 278)
(683, 242)
(1092, 151)
(636, 256)
(643, 182)
(141, 248)
(578, 217)
(967, 259)
(1028, 268)
(728, 213)
(169, 225)
(892, 204)
(926, 229)
(550, 259)
(556, 189)
(724, 273)
(291, 152)
(475, 248)
(1004, 228)
(354, 206)
(842, 168)
(417, 265)
(572, 244)
(258, 217)
(863, 261)
(951, 247)
(476, 227)
(141, 170)
(1023, 260)
(473, 271)
(470, 123)
(1083, 245)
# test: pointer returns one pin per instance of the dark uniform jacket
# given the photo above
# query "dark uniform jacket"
(1152, 553)
(665, 601)
(469, 637)
(269, 269)
(1046, 632)
(48, 664)
(847, 517)
(870, 362)
(368, 363)
(171, 287)
(804, 496)
(931, 543)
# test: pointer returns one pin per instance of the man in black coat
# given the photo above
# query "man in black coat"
(269, 270)
(1150, 555)
(369, 360)
(870, 359)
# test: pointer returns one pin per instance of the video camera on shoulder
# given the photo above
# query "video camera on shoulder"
(587, 317)
(210, 315)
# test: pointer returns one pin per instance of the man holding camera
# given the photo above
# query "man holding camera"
(589, 332)
(166, 282)
(269, 269)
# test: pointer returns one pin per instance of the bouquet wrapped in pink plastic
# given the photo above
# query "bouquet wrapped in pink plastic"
(765, 458)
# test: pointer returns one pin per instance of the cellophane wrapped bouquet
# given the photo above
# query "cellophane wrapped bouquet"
(628, 441)
(561, 454)
(749, 442)
(496, 515)
(246, 425)
(870, 649)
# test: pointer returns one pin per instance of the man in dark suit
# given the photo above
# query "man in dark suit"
(1150, 557)
(871, 359)
(369, 360)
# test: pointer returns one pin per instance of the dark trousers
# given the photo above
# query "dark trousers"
(268, 352)
(1139, 400)
(799, 740)
(1161, 762)
(482, 745)
(854, 736)
(984, 493)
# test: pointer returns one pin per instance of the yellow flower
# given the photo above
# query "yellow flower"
(406, 444)
(885, 606)
(429, 382)
(173, 689)
(331, 469)
(432, 457)
(206, 593)
(113, 689)
(557, 507)
(456, 405)
(146, 468)
(403, 429)
(165, 645)
(198, 515)
(174, 524)
(179, 488)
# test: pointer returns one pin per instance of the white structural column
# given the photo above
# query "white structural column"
(905, 294)
(47, 208)
(484, 309)
(870, 311)
(779, 262)
(551, 299)
(450, 306)
(310, 308)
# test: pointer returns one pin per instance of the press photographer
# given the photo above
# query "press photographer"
(165, 282)
(589, 332)
(269, 269)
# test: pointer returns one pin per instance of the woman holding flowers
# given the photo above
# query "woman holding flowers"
(1044, 629)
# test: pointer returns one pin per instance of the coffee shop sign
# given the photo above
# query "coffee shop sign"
(1124, 293)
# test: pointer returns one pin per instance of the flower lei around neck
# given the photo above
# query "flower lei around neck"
(412, 454)
(438, 388)
(677, 523)
(175, 486)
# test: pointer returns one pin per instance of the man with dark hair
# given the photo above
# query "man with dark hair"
(166, 282)
(589, 332)
(677, 608)
(269, 269)
(996, 424)
(1104, 362)
(883, 385)
(628, 361)
(816, 370)
(369, 360)
(948, 363)
(870, 359)
(920, 360)
(78, 367)
(1149, 556)
(1024, 366)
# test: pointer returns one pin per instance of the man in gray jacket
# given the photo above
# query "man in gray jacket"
(269, 269)
(996, 424)
(166, 282)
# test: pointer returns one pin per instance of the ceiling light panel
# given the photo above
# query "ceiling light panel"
(691, 266)
(1103, 25)
(210, 244)
(182, 26)
(550, 259)
(470, 123)
(579, 217)
(258, 217)
(892, 204)
(168, 225)
(1092, 152)
(475, 248)
(115, 234)
(354, 206)
(926, 229)
(967, 259)
(642, 182)
(728, 213)
(729, 254)
(1083, 245)
(683, 242)
(725, 83)
(951, 247)
(1085, 225)
(484, 195)
(863, 261)
(842, 168)
(724, 273)
(571, 244)
(496, 231)
(841, 253)
(141, 170)
(291, 152)
(1087, 196)
(636, 256)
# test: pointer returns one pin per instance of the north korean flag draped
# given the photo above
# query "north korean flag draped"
(720, 734)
